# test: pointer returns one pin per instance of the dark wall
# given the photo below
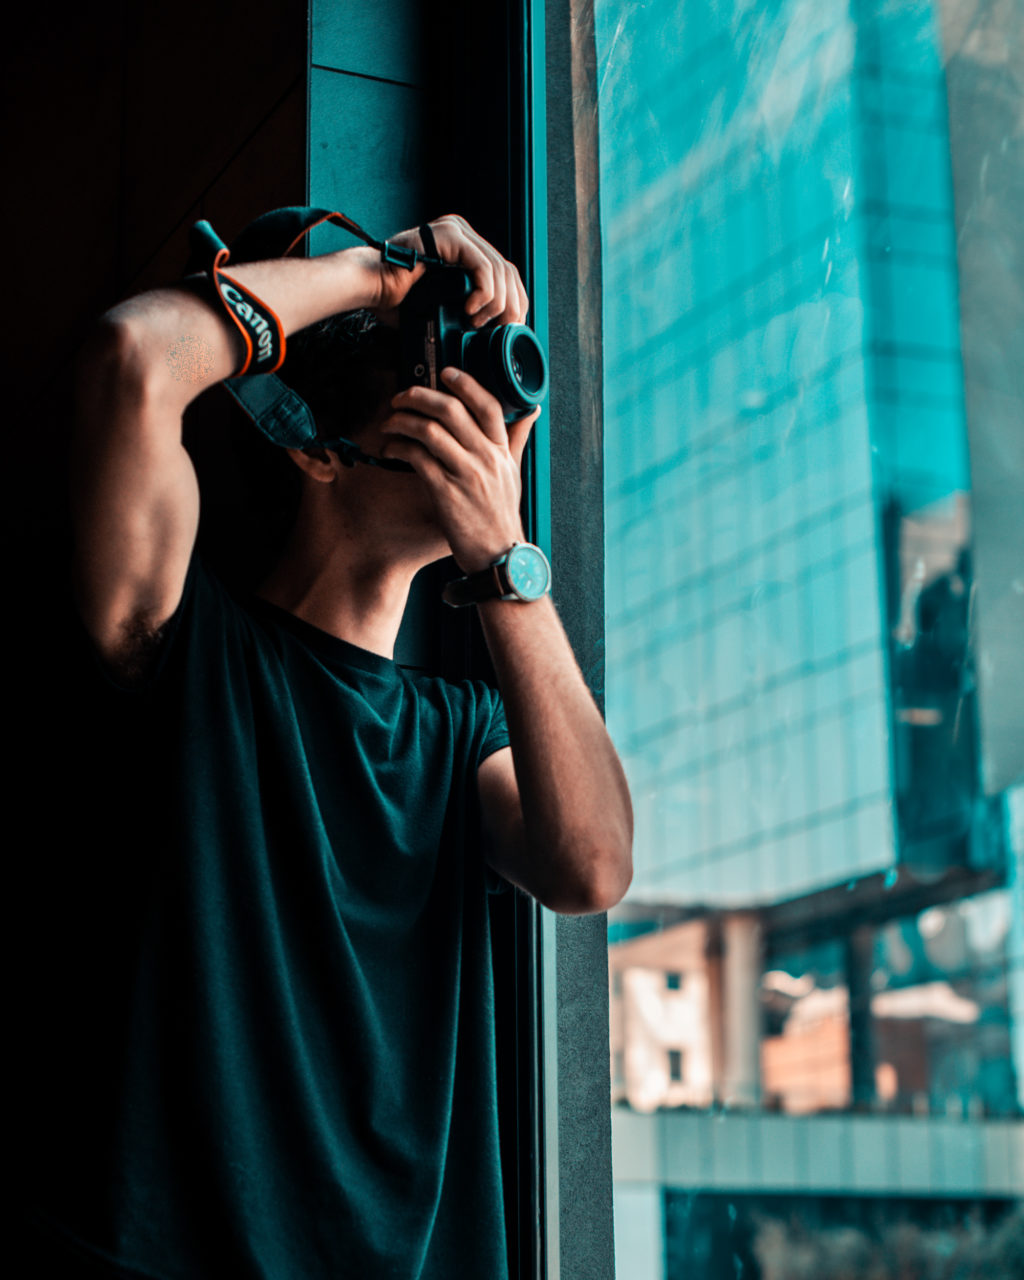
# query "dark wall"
(130, 122)
(126, 123)
(368, 108)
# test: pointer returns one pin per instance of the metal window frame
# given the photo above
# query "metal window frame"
(566, 514)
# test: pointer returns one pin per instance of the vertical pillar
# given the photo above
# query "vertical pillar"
(741, 975)
(585, 1241)
(716, 1009)
(859, 948)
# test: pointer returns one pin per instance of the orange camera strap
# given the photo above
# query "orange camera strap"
(281, 414)
(273, 235)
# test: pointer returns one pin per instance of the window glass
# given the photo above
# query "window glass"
(817, 988)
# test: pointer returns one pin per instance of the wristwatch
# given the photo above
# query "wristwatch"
(522, 573)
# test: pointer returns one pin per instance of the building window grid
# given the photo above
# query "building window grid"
(746, 324)
(706, 452)
(696, 357)
(706, 577)
(779, 730)
(710, 710)
(913, 364)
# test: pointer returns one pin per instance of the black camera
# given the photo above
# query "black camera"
(436, 332)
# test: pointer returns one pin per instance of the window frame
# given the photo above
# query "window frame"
(571, 961)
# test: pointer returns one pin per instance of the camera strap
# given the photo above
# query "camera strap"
(278, 411)
(250, 315)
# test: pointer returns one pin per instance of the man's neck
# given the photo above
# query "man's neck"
(348, 589)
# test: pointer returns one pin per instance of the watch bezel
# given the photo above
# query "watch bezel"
(503, 565)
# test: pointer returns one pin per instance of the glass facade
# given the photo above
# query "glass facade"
(816, 978)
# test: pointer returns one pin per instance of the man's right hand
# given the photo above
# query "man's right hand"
(498, 292)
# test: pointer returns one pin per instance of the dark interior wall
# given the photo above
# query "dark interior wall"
(125, 124)
(367, 111)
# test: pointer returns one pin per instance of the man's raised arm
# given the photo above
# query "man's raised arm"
(134, 493)
(135, 499)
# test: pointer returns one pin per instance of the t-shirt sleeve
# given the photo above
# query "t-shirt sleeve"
(496, 731)
(494, 738)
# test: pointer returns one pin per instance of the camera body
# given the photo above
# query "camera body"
(435, 332)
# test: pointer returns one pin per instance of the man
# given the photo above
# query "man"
(284, 1031)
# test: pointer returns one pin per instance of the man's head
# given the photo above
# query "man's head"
(345, 368)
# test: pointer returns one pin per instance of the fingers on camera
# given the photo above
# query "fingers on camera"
(499, 293)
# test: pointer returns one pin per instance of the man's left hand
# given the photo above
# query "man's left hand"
(498, 292)
(458, 443)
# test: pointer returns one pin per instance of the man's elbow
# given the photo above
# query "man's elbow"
(600, 884)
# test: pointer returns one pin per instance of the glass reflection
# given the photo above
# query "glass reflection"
(817, 992)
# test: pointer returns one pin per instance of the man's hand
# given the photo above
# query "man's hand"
(498, 293)
(468, 459)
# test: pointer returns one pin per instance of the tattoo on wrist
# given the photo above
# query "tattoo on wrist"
(189, 358)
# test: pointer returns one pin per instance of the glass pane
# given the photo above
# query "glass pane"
(817, 977)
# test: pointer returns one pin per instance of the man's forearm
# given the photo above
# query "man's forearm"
(576, 808)
(561, 827)
(186, 343)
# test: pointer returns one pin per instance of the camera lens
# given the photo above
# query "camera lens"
(509, 361)
(527, 362)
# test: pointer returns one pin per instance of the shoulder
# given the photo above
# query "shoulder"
(474, 698)
(473, 708)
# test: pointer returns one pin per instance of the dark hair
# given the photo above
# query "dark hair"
(344, 368)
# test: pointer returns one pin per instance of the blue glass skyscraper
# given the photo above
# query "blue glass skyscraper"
(789, 579)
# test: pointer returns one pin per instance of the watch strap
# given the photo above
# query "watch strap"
(485, 584)
(496, 581)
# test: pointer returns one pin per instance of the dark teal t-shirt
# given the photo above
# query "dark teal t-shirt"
(274, 1054)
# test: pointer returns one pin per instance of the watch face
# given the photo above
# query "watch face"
(529, 573)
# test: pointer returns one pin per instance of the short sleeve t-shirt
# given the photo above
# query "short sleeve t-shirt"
(273, 1054)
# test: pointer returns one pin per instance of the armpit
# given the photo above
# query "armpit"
(137, 651)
